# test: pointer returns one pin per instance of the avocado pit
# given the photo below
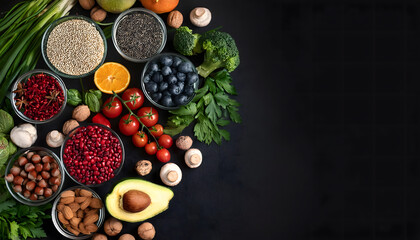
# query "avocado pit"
(135, 201)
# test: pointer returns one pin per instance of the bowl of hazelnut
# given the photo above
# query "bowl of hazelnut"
(34, 176)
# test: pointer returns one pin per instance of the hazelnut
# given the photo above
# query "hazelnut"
(143, 167)
(175, 19)
(146, 231)
(69, 125)
(87, 4)
(126, 237)
(112, 227)
(22, 161)
(98, 14)
(184, 142)
(9, 177)
(81, 113)
(36, 158)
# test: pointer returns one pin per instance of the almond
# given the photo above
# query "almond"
(92, 211)
(68, 193)
(75, 222)
(80, 199)
(82, 228)
(60, 207)
(77, 192)
(74, 231)
(74, 206)
(62, 219)
(90, 219)
(85, 193)
(85, 204)
(80, 213)
(96, 203)
(67, 212)
(91, 228)
(66, 200)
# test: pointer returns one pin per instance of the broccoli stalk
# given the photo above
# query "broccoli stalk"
(187, 43)
(221, 52)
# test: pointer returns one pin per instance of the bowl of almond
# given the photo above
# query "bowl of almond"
(78, 212)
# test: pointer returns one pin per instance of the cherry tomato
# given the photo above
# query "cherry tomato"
(128, 126)
(151, 148)
(112, 108)
(165, 141)
(148, 116)
(156, 130)
(99, 118)
(163, 155)
(139, 139)
(135, 98)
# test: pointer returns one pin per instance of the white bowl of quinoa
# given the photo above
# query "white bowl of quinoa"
(74, 46)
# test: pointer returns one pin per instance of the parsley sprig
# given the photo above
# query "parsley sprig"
(212, 108)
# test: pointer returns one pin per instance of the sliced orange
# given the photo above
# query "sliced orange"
(112, 76)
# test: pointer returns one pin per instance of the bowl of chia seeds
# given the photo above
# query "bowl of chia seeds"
(139, 34)
(74, 46)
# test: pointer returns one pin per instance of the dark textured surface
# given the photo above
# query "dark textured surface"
(329, 144)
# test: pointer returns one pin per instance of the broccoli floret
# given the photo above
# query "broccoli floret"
(186, 43)
(221, 52)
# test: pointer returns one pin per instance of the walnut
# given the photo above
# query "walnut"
(112, 227)
(97, 14)
(143, 167)
(175, 19)
(69, 125)
(184, 142)
(81, 113)
(99, 236)
(146, 231)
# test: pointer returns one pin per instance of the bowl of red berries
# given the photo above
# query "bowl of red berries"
(92, 154)
(39, 96)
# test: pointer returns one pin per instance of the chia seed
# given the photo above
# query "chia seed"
(75, 47)
(139, 35)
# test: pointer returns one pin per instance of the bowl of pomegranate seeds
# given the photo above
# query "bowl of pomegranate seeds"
(39, 96)
(34, 176)
(92, 154)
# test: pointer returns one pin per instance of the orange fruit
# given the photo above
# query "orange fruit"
(160, 6)
(112, 76)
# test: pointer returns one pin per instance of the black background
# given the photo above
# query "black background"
(328, 147)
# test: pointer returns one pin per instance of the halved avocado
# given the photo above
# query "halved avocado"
(159, 196)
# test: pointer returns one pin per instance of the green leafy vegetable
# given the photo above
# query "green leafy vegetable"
(92, 101)
(212, 108)
(4, 152)
(6, 122)
(74, 97)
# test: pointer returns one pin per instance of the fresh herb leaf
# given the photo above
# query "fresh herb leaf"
(74, 97)
(189, 109)
(92, 102)
(223, 122)
(13, 233)
(222, 99)
(212, 86)
(234, 115)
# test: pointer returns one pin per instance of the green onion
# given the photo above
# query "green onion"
(21, 31)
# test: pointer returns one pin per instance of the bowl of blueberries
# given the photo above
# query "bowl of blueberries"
(169, 80)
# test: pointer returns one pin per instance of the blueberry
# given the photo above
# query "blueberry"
(166, 93)
(192, 78)
(146, 78)
(181, 86)
(167, 101)
(181, 76)
(163, 86)
(189, 91)
(154, 67)
(166, 71)
(185, 67)
(157, 77)
(174, 89)
(180, 99)
(174, 71)
(171, 79)
(176, 61)
(166, 60)
(156, 96)
(151, 87)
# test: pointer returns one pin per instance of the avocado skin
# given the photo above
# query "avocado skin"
(159, 195)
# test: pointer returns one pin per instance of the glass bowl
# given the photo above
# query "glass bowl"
(47, 34)
(131, 11)
(84, 158)
(60, 228)
(146, 71)
(24, 78)
(42, 152)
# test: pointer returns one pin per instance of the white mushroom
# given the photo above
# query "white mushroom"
(23, 135)
(200, 16)
(55, 139)
(193, 158)
(170, 174)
